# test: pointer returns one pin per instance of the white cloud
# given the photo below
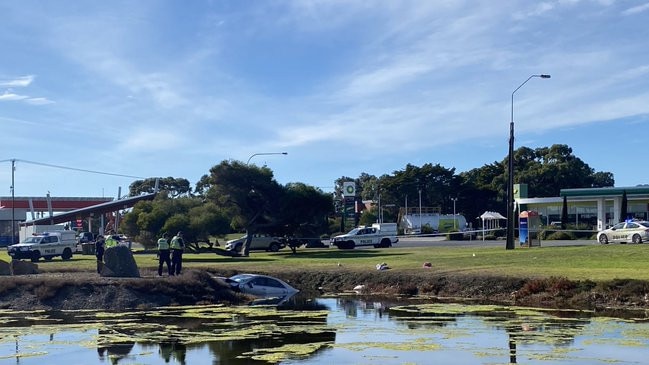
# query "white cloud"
(38, 101)
(10, 96)
(636, 9)
(22, 81)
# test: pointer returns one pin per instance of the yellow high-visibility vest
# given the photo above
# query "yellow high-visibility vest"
(110, 242)
(163, 244)
(175, 243)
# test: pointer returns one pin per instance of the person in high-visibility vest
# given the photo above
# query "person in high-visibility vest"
(164, 254)
(110, 241)
(99, 252)
(177, 245)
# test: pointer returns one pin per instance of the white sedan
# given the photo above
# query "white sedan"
(633, 231)
(260, 285)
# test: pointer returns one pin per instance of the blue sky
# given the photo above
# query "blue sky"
(171, 88)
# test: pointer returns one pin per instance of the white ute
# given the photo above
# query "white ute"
(46, 245)
(378, 235)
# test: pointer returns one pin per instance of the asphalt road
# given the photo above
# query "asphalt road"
(440, 241)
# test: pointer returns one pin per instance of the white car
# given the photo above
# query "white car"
(46, 245)
(259, 242)
(260, 285)
(633, 231)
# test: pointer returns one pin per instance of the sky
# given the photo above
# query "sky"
(125, 90)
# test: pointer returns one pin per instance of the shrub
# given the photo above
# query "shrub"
(455, 236)
(427, 229)
(561, 235)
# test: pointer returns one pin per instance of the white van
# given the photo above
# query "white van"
(46, 245)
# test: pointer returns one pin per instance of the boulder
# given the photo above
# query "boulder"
(119, 262)
(5, 268)
(19, 267)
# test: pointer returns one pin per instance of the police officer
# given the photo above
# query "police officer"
(99, 251)
(177, 245)
(110, 240)
(164, 254)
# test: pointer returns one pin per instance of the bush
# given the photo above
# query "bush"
(561, 235)
(455, 236)
(427, 229)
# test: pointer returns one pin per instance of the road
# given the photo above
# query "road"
(440, 241)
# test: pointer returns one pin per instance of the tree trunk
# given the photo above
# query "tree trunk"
(245, 248)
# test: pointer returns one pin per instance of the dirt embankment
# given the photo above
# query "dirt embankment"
(88, 291)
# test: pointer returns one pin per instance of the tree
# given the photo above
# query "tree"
(175, 187)
(249, 193)
(304, 211)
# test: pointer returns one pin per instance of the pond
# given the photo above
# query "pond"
(342, 330)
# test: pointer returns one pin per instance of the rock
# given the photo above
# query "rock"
(119, 262)
(19, 267)
(5, 269)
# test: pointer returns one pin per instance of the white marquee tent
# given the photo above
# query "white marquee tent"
(490, 220)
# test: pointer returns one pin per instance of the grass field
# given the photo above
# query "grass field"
(596, 262)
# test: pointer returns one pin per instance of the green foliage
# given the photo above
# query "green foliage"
(175, 187)
(455, 236)
(427, 229)
(561, 235)
(368, 217)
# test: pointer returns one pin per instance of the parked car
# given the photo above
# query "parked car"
(46, 245)
(85, 237)
(259, 242)
(260, 285)
(632, 231)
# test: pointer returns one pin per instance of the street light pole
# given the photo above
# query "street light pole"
(13, 203)
(454, 220)
(510, 170)
(265, 153)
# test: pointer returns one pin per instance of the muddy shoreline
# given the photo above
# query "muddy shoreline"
(80, 290)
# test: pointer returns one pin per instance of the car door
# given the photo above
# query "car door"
(49, 245)
(267, 287)
(617, 233)
(629, 230)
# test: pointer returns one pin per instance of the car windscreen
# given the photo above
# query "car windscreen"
(32, 240)
(646, 224)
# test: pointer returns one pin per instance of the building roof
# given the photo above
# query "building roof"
(95, 209)
(602, 192)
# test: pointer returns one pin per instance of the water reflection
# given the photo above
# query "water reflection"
(323, 331)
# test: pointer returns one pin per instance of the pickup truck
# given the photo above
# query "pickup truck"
(46, 245)
(378, 235)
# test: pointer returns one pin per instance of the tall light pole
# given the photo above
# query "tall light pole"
(454, 220)
(13, 203)
(510, 170)
(421, 230)
(265, 153)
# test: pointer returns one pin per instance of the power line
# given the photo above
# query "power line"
(75, 169)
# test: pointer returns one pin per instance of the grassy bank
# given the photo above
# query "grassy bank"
(597, 262)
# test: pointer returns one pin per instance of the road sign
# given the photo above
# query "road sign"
(349, 188)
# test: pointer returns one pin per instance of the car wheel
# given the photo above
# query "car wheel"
(274, 247)
(36, 255)
(67, 254)
(636, 238)
(386, 243)
(603, 239)
(348, 245)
